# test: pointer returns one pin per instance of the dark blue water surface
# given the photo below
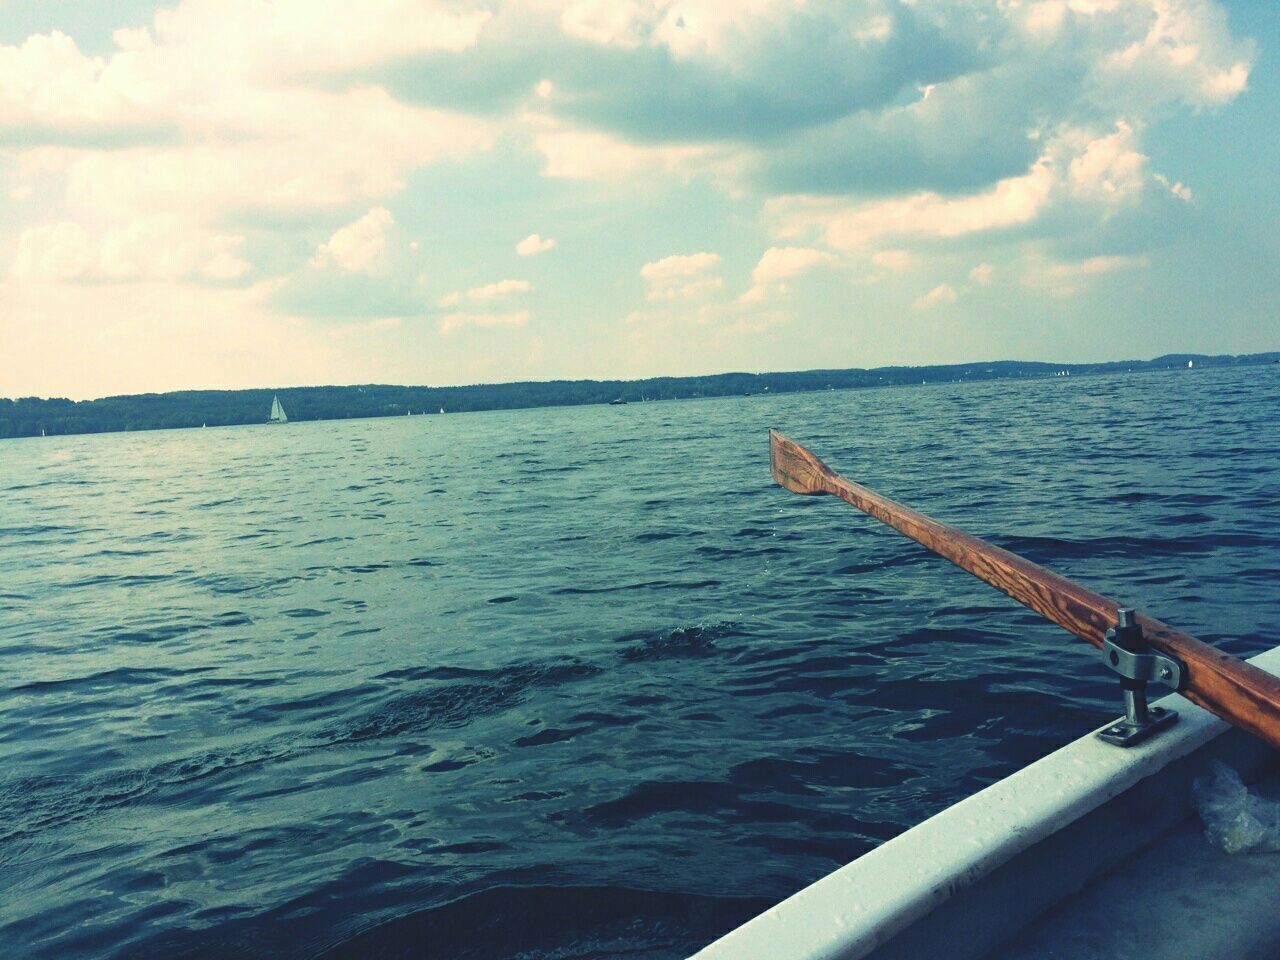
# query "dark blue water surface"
(567, 683)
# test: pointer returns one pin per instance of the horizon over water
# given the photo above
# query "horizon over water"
(568, 682)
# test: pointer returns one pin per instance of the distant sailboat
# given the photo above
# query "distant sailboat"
(1190, 364)
(277, 412)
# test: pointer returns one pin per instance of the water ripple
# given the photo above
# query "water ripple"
(566, 683)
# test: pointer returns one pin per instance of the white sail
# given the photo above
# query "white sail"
(277, 412)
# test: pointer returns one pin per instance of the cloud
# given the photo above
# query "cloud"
(358, 272)
(452, 322)
(783, 263)
(893, 260)
(532, 245)
(1178, 190)
(850, 226)
(682, 276)
(777, 266)
(1109, 168)
(982, 274)
(151, 248)
(498, 291)
(578, 154)
(1095, 265)
(272, 156)
(360, 246)
(50, 93)
(1063, 278)
(488, 293)
(942, 294)
(873, 97)
(698, 71)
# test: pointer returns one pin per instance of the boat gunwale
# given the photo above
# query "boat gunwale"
(862, 906)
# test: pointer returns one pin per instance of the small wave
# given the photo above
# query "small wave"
(537, 922)
(115, 580)
(106, 679)
(457, 704)
(1046, 549)
(698, 641)
(550, 735)
(647, 585)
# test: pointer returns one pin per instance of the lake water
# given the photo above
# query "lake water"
(567, 683)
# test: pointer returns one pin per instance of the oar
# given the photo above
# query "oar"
(1236, 691)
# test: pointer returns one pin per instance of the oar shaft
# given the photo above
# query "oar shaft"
(1238, 692)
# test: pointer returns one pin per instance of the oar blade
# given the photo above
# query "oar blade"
(795, 468)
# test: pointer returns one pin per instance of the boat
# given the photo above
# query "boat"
(277, 412)
(618, 403)
(1092, 851)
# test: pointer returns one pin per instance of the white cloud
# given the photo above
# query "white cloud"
(1180, 191)
(894, 260)
(682, 276)
(1093, 266)
(853, 226)
(152, 248)
(1109, 168)
(1063, 278)
(302, 38)
(942, 294)
(488, 293)
(580, 154)
(533, 244)
(452, 322)
(777, 266)
(680, 265)
(606, 22)
(982, 274)
(498, 291)
(1186, 52)
(54, 251)
(783, 263)
(359, 247)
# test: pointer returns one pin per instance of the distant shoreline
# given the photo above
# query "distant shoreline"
(29, 416)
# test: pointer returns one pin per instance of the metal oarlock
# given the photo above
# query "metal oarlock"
(1125, 650)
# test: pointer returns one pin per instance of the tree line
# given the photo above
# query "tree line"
(32, 416)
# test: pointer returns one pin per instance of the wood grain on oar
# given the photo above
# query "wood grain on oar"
(1238, 692)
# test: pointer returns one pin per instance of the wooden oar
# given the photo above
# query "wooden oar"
(1236, 691)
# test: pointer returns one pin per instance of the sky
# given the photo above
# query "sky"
(257, 193)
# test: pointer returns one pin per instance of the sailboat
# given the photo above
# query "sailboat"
(277, 412)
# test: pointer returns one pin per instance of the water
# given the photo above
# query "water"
(566, 683)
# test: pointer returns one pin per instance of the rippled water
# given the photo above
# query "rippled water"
(566, 683)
